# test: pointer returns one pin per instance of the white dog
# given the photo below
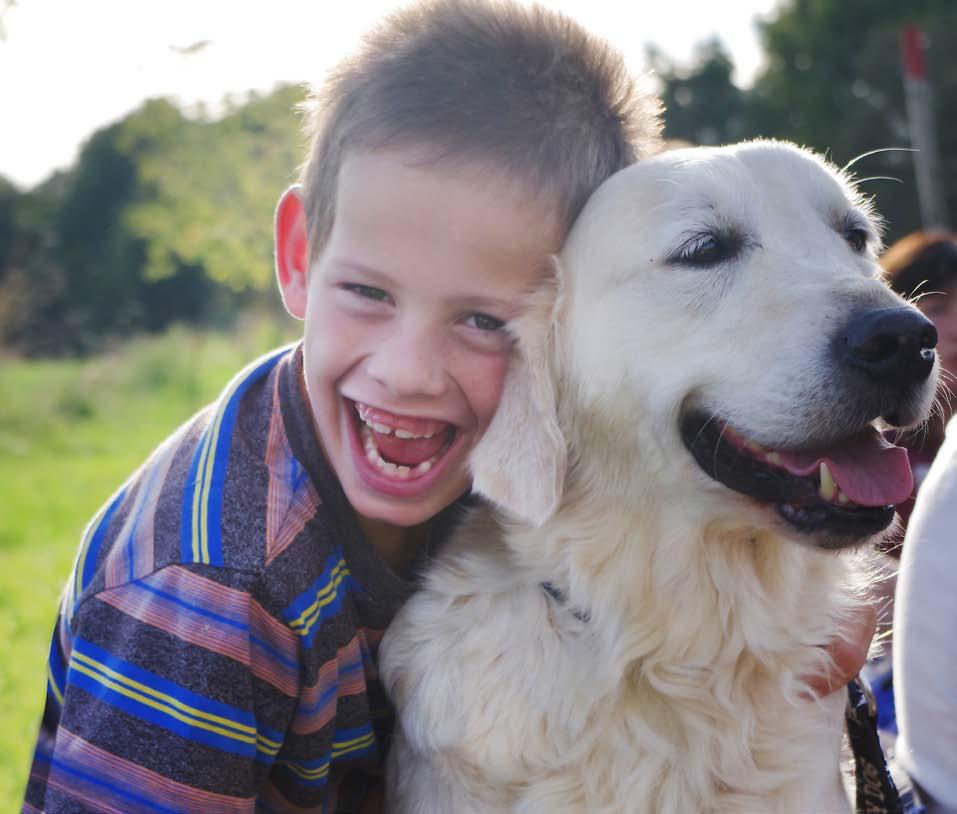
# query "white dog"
(689, 436)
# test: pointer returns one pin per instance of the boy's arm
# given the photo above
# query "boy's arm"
(170, 692)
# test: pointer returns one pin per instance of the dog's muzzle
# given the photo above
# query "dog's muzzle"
(841, 490)
(890, 346)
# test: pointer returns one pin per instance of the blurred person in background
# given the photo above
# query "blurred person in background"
(923, 266)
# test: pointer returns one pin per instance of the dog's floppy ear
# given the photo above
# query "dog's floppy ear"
(519, 463)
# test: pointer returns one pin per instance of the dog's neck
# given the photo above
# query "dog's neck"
(672, 597)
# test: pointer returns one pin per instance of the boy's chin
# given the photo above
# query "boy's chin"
(407, 508)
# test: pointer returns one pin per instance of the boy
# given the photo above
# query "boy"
(215, 649)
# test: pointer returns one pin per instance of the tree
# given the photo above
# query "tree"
(702, 104)
(31, 280)
(833, 82)
(164, 217)
(212, 189)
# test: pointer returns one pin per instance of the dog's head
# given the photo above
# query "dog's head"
(717, 324)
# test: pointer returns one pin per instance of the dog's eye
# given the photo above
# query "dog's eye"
(706, 249)
(856, 238)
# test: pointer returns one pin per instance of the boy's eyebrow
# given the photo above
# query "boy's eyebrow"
(361, 268)
(504, 308)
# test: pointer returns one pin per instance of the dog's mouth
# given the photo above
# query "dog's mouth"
(839, 494)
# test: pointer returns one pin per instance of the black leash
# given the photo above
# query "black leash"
(876, 792)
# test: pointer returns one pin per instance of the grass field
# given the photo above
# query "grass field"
(70, 433)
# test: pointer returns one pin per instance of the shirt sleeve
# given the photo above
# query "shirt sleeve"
(169, 693)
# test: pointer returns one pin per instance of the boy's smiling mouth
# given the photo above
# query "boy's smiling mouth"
(401, 447)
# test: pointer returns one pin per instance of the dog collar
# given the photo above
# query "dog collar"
(560, 598)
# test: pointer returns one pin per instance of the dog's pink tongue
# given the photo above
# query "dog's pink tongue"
(869, 469)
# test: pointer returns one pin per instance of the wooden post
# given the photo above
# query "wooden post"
(920, 122)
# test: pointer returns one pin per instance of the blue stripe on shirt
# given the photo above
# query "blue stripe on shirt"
(164, 703)
(201, 515)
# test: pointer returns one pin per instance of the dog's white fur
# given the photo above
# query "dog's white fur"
(676, 686)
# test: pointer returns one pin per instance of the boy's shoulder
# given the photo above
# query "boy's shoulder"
(224, 498)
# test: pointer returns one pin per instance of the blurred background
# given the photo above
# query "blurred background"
(143, 147)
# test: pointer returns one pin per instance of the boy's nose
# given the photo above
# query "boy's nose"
(410, 363)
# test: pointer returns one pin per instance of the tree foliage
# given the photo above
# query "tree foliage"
(702, 105)
(164, 217)
(212, 187)
(832, 80)
(167, 215)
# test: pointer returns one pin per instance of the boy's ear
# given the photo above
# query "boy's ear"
(519, 464)
(292, 252)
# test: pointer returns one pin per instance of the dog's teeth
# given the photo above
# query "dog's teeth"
(773, 458)
(828, 489)
(382, 429)
(842, 498)
(404, 434)
(754, 446)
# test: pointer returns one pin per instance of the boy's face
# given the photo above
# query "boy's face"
(941, 308)
(405, 351)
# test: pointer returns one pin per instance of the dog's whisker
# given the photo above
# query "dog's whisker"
(879, 150)
(877, 178)
(916, 297)
(714, 462)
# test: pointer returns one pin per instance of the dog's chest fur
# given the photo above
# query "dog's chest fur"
(512, 701)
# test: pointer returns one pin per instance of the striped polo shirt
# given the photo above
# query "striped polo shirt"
(215, 645)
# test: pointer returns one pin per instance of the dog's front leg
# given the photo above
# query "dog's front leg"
(440, 782)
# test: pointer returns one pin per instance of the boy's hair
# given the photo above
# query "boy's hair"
(921, 262)
(524, 88)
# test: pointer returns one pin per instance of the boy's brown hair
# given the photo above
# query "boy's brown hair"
(523, 88)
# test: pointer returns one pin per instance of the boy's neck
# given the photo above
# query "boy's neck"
(397, 545)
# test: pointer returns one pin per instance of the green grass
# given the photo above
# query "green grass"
(70, 433)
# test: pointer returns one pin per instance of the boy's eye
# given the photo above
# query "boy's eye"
(369, 292)
(484, 322)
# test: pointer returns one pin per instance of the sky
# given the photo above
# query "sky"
(68, 67)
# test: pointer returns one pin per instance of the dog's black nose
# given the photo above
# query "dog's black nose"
(891, 345)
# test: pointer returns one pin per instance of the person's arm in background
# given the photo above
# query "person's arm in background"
(848, 651)
(925, 636)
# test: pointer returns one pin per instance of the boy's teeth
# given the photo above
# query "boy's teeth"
(383, 429)
(393, 470)
(405, 434)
